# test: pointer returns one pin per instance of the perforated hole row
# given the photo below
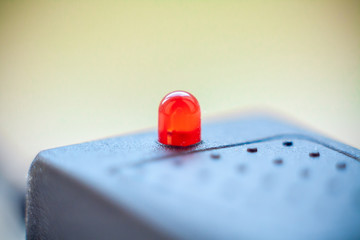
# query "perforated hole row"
(257, 174)
(242, 168)
(279, 161)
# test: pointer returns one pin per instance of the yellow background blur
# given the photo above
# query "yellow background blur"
(72, 71)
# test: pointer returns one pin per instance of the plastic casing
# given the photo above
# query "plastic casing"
(132, 187)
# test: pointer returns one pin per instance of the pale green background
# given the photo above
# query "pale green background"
(73, 71)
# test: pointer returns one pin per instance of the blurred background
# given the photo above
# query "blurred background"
(73, 71)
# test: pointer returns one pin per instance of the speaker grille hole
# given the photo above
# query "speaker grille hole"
(215, 156)
(314, 154)
(278, 161)
(252, 150)
(341, 165)
(288, 143)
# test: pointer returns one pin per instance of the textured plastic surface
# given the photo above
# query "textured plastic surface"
(252, 177)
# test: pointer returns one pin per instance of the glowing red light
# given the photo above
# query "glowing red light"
(179, 119)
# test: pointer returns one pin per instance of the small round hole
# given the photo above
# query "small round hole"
(314, 154)
(252, 150)
(215, 156)
(341, 165)
(305, 173)
(278, 161)
(113, 170)
(288, 143)
(204, 174)
(241, 168)
(177, 163)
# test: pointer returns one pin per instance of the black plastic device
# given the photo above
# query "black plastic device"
(251, 177)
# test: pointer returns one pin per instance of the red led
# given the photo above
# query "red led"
(179, 119)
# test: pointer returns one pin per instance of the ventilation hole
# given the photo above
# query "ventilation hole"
(305, 173)
(113, 170)
(268, 181)
(241, 168)
(178, 162)
(334, 186)
(215, 156)
(204, 174)
(314, 154)
(288, 143)
(278, 161)
(341, 165)
(252, 150)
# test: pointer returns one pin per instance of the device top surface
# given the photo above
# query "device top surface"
(252, 177)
